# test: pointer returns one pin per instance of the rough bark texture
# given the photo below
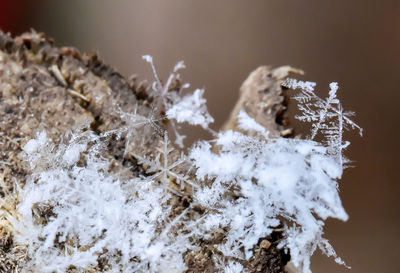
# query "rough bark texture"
(43, 87)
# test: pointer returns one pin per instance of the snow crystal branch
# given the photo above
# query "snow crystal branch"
(163, 169)
(327, 115)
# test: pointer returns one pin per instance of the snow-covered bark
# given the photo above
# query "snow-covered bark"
(74, 211)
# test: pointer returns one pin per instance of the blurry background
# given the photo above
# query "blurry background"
(356, 43)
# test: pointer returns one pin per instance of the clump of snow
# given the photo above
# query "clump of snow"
(247, 123)
(276, 178)
(33, 145)
(191, 109)
(93, 215)
(289, 178)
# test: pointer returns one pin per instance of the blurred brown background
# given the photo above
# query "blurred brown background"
(353, 42)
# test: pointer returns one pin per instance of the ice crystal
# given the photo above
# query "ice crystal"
(132, 123)
(162, 170)
(327, 115)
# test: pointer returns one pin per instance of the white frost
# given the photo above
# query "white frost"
(289, 178)
(247, 123)
(191, 109)
(94, 214)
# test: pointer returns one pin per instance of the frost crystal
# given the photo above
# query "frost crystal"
(327, 116)
(163, 169)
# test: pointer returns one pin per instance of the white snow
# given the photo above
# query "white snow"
(191, 109)
(294, 179)
(93, 211)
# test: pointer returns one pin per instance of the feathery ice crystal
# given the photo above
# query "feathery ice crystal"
(76, 213)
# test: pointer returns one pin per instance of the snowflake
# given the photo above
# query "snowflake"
(162, 169)
(134, 121)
